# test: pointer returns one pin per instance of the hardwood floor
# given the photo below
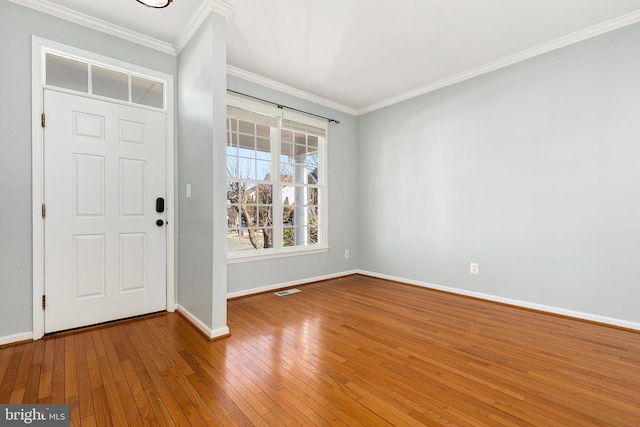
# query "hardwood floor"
(350, 351)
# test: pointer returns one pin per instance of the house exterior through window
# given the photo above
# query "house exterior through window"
(276, 179)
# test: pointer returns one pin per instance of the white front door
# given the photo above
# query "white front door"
(104, 239)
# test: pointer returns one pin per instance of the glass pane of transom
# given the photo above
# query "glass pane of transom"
(109, 83)
(67, 73)
(147, 92)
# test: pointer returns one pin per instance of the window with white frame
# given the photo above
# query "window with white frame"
(275, 182)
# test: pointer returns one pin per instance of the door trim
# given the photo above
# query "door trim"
(38, 47)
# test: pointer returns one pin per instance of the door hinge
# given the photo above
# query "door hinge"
(44, 302)
(43, 120)
(44, 210)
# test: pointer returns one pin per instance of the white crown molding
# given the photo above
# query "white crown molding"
(193, 26)
(222, 8)
(281, 87)
(225, 9)
(96, 24)
(558, 43)
(206, 7)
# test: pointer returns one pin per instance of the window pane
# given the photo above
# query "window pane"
(232, 166)
(233, 217)
(247, 153)
(232, 124)
(235, 191)
(232, 144)
(147, 92)
(246, 127)
(233, 241)
(313, 175)
(264, 155)
(264, 170)
(247, 145)
(287, 137)
(313, 236)
(287, 236)
(299, 236)
(265, 215)
(313, 144)
(300, 152)
(263, 238)
(287, 211)
(109, 83)
(286, 151)
(248, 212)
(263, 131)
(300, 175)
(312, 196)
(286, 170)
(312, 215)
(67, 73)
(305, 232)
(263, 194)
(249, 239)
(246, 168)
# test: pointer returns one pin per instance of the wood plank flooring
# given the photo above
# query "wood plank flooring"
(350, 351)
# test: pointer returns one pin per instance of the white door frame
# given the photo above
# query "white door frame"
(39, 47)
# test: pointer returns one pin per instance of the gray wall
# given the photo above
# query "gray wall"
(201, 156)
(17, 25)
(342, 188)
(530, 171)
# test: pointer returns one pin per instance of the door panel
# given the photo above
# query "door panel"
(88, 266)
(104, 167)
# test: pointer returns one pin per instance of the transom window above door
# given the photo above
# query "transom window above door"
(95, 79)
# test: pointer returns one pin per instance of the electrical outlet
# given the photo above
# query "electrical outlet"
(188, 190)
(473, 268)
(346, 253)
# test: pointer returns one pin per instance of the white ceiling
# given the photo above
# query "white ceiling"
(362, 54)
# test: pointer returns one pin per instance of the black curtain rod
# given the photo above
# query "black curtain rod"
(283, 106)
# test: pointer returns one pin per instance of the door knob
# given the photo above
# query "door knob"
(160, 223)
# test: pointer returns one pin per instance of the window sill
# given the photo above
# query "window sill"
(285, 254)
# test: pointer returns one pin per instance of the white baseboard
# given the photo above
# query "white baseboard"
(518, 303)
(10, 339)
(288, 284)
(220, 332)
(207, 331)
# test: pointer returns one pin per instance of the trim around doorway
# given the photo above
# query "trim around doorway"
(38, 47)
